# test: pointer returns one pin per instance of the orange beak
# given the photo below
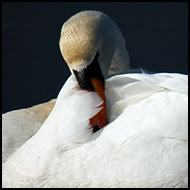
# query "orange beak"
(100, 119)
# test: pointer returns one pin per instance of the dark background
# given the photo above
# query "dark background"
(33, 70)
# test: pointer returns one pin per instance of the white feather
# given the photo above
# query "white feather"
(144, 146)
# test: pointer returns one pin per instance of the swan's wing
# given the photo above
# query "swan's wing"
(159, 98)
(171, 81)
(128, 85)
(19, 125)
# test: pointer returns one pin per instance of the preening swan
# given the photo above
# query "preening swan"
(107, 128)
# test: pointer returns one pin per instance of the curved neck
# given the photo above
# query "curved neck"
(114, 57)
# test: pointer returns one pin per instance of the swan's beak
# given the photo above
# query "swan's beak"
(100, 119)
(91, 79)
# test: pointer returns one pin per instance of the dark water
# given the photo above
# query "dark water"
(33, 70)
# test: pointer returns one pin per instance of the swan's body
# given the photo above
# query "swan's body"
(144, 144)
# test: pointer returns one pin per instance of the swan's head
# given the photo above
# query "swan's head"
(89, 43)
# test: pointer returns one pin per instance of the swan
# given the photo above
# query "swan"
(107, 127)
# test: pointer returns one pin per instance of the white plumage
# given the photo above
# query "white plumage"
(144, 144)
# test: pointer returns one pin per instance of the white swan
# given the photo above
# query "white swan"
(145, 142)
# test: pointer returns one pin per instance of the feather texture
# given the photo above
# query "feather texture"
(144, 144)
